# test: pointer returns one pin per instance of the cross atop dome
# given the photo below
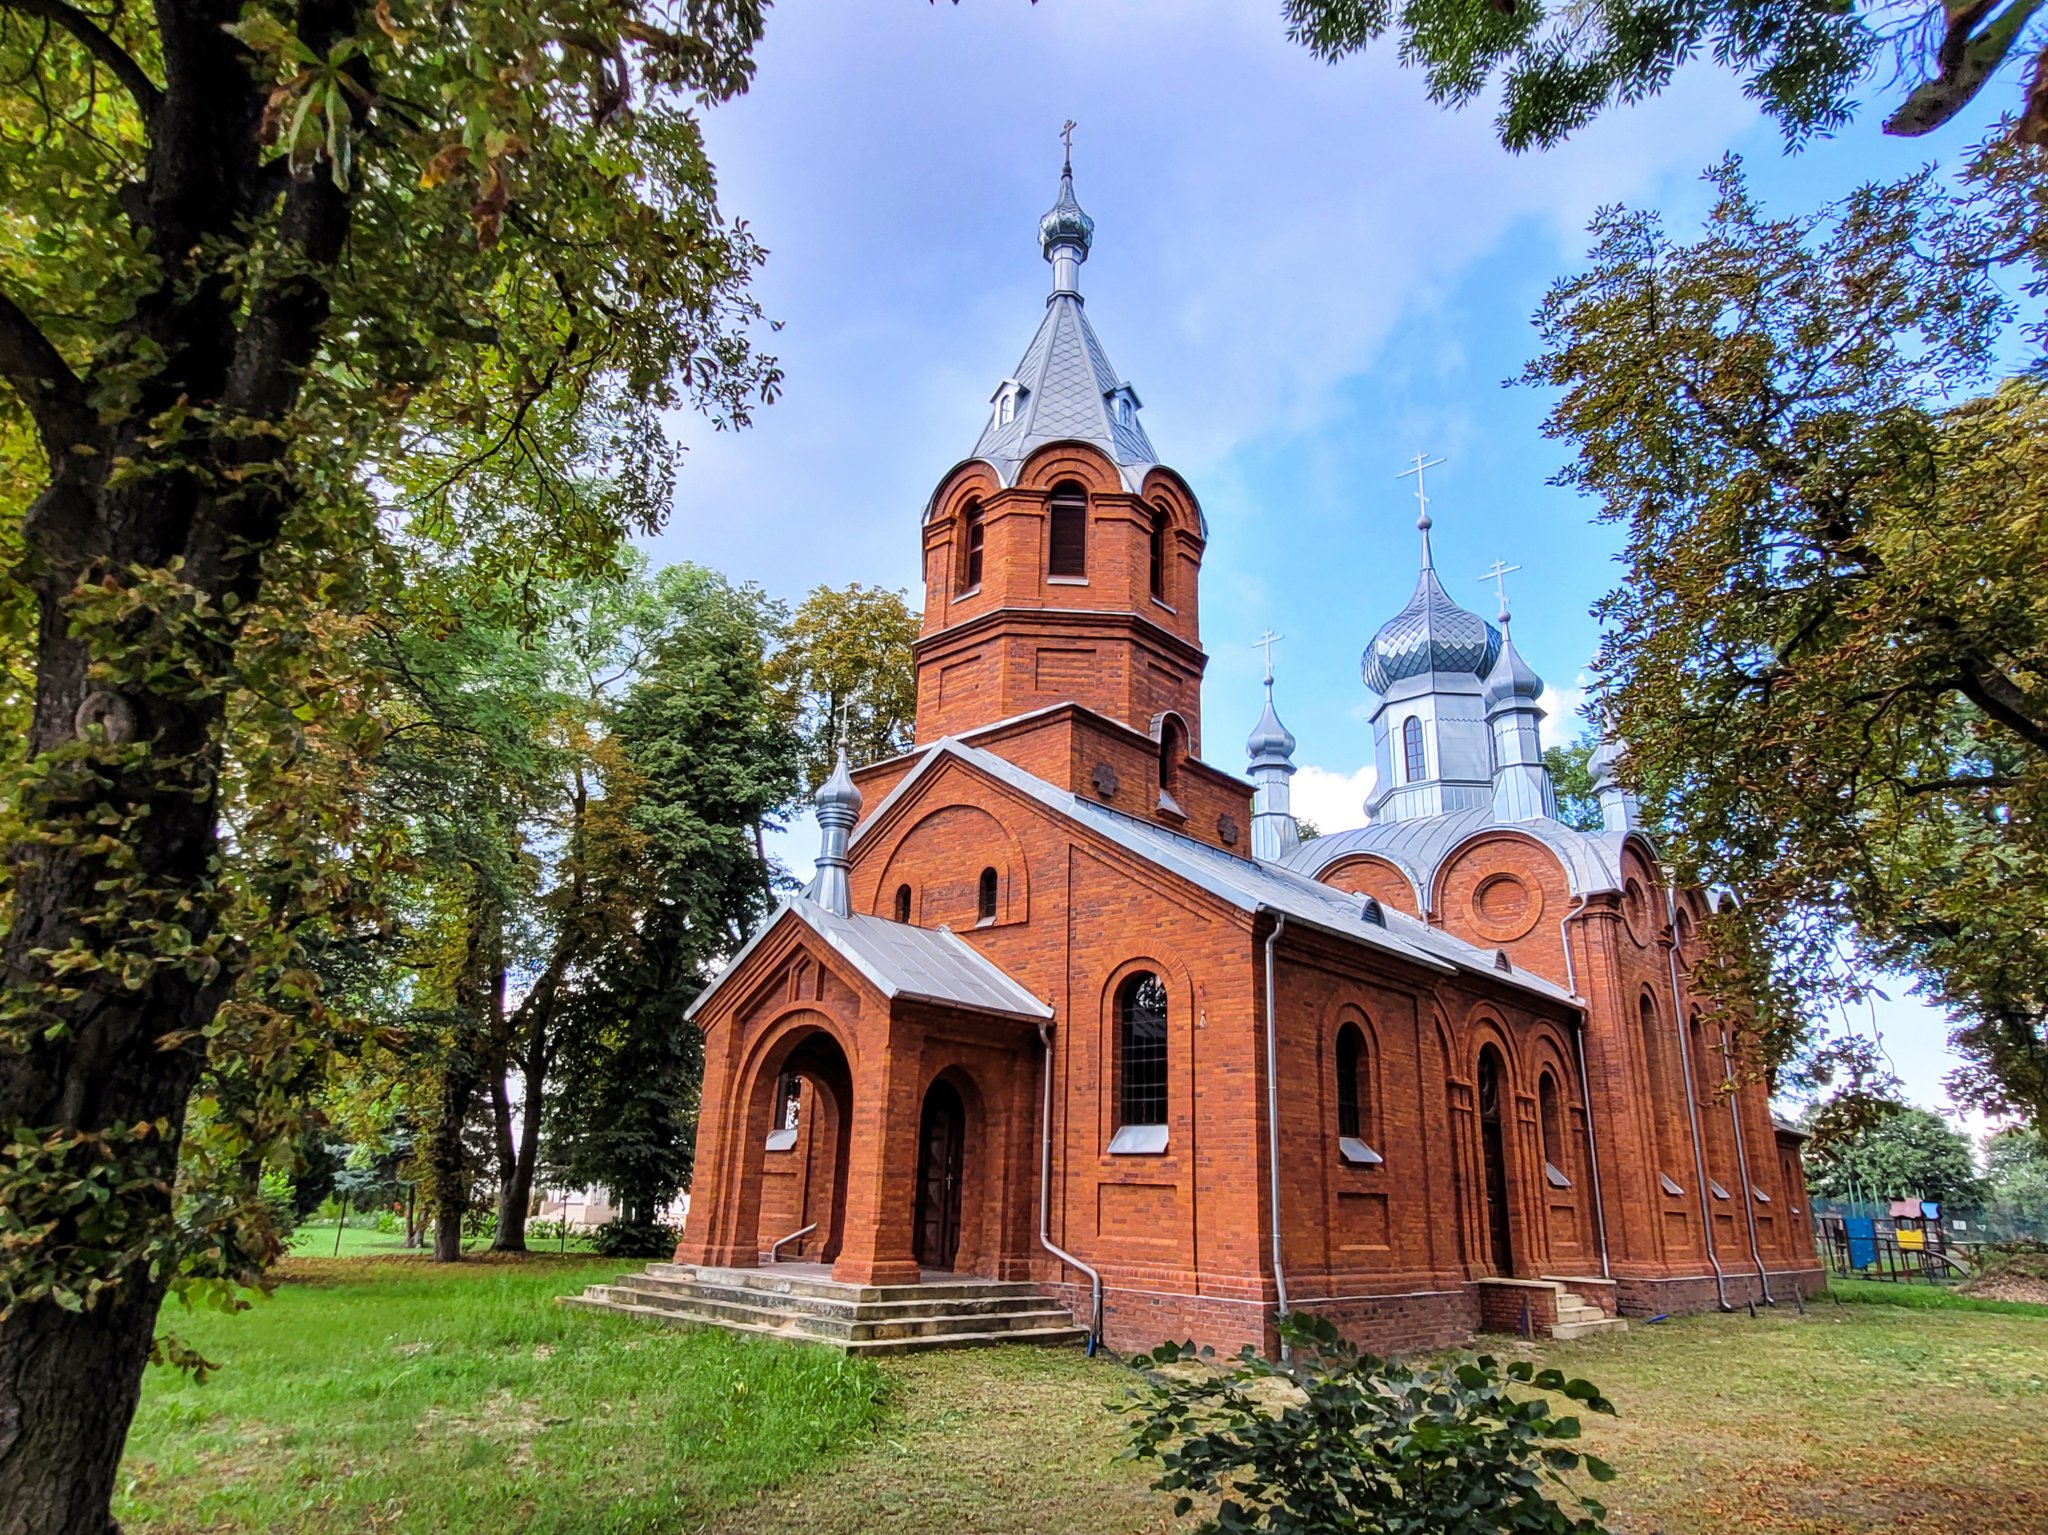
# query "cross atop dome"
(1422, 520)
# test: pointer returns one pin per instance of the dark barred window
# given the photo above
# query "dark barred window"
(902, 903)
(1159, 554)
(1350, 1081)
(1141, 1028)
(974, 537)
(1067, 554)
(985, 898)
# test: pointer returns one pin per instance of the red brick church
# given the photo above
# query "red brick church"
(1069, 1005)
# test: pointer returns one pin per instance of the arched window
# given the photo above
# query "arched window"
(902, 903)
(1662, 1108)
(1067, 545)
(789, 1099)
(985, 897)
(1354, 1098)
(1158, 553)
(1141, 1051)
(1553, 1132)
(973, 535)
(1411, 750)
(1173, 749)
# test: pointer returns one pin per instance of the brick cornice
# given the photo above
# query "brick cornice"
(1110, 621)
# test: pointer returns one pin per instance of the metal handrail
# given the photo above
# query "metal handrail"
(775, 1249)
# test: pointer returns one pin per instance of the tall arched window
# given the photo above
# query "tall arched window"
(973, 536)
(1173, 749)
(902, 903)
(1158, 553)
(1354, 1097)
(985, 897)
(1067, 542)
(1141, 1050)
(1662, 1108)
(1415, 768)
(1552, 1116)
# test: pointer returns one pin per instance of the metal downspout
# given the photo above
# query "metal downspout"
(1273, 1118)
(1045, 1203)
(1742, 1166)
(1571, 984)
(1692, 1105)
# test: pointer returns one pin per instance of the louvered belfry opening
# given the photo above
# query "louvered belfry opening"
(1067, 544)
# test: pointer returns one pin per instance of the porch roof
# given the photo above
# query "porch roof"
(923, 964)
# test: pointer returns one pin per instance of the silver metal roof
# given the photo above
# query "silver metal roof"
(1419, 848)
(1249, 884)
(1065, 391)
(923, 964)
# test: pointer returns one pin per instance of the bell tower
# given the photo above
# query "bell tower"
(1061, 559)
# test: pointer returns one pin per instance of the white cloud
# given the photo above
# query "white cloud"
(1564, 719)
(1334, 801)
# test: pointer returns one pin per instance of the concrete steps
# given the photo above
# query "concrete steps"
(813, 1308)
(1578, 1318)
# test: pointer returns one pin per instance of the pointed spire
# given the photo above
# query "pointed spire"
(1066, 233)
(1620, 810)
(838, 806)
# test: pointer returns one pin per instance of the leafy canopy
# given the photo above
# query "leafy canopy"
(1558, 66)
(1829, 650)
(1909, 1153)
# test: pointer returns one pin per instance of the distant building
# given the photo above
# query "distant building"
(1066, 996)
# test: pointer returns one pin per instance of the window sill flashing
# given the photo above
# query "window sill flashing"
(780, 1140)
(1555, 1178)
(972, 591)
(1357, 1153)
(1161, 602)
(1066, 580)
(1138, 1141)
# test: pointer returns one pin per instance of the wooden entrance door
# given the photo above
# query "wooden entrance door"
(940, 1146)
(1494, 1162)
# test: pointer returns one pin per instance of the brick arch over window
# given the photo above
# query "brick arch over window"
(1366, 874)
(1356, 1099)
(942, 856)
(1123, 989)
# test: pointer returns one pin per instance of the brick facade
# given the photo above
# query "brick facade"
(1398, 1252)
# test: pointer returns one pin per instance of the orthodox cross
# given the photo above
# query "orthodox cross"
(841, 713)
(1499, 577)
(1422, 499)
(1266, 642)
(1067, 136)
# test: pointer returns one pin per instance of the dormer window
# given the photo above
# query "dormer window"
(1123, 405)
(1009, 400)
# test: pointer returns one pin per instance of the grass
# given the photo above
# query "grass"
(317, 1241)
(1879, 1292)
(391, 1395)
(388, 1395)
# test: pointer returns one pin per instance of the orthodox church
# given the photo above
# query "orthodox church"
(1069, 1008)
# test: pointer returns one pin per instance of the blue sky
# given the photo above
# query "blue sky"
(1308, 272)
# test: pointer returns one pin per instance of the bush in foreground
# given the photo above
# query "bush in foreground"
(634, 1239)
(1337, 1440)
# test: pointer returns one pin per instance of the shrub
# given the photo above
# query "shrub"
(1337, 1440)
(635, 1239)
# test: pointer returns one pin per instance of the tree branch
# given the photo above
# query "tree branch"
(52, 392)
(96, 42)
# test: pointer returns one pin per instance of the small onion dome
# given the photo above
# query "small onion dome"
(1511, 681)
(1431, 634)
(838, 792)
(1606, 762)
(1066, 224)
(1269, 738)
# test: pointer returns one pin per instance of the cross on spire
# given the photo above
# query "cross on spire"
(1266, 643)
(1422, 462)
(1499, 577)
(1067, 140)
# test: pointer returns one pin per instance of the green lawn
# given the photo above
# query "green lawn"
(391, 1395)
(386, 1395)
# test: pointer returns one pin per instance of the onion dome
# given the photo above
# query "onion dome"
(1431, 634)
(1066, 224)
(1270, 740)
(1511, 681)
(838, 793)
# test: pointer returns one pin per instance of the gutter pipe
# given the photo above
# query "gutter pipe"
(1571, 984)
(1692, 1107)
(1045, 1203)
(1273, 1119)
(1742, 1166)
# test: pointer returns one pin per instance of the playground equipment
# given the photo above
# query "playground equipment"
(1906, 1244)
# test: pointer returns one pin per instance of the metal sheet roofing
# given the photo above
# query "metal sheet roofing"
(1419, 848)
(920, 963)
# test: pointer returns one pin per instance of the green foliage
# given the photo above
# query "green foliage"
(1559, 67)
(1571, 776)
(2016, 1173)
(625, 1238)
(1826, 653)
(1339, 1440)
(1908, 1153)
(848, 652)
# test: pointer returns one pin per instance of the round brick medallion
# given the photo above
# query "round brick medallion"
(1505, 907)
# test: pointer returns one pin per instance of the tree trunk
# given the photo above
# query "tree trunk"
(515, 1195)
(445, 1156)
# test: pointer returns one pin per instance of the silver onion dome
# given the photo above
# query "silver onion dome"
(1066, 224)
(1269, 740)
(1431, 634)
(1512, 680)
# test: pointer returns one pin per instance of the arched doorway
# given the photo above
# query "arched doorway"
(799, 1172)
(1493, 1161)
(941, 1155)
